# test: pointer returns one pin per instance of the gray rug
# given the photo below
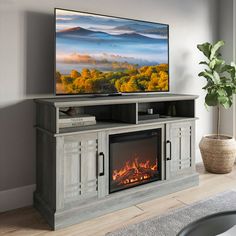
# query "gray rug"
(170, 224)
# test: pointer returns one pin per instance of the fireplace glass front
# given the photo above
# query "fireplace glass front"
(135, 159)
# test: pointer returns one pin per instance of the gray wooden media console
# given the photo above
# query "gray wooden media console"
(70, 186)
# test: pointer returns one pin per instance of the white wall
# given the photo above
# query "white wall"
(227, 33)
(26, 65)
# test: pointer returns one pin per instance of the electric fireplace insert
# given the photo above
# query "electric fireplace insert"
(135, 159)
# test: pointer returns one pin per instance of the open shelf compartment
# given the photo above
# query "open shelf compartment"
(114, 113)
(154, 111)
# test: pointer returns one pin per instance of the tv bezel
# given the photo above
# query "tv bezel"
(107, 94)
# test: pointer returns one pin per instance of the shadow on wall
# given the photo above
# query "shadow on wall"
(17, 145)
(39, 46)
(17, 133)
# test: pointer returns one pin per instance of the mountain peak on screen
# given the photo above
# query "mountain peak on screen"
(75, 29)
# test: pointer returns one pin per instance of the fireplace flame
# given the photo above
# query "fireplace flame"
(134, 171)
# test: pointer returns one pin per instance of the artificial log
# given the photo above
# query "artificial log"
(133, 174)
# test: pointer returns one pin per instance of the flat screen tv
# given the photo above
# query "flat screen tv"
(97, 54)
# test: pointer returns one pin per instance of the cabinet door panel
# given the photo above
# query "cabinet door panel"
(89, 166)
(80, 166)
(181, 136)
(175, 148)
(71, 175)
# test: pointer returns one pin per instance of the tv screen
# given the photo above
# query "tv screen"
(98, 54)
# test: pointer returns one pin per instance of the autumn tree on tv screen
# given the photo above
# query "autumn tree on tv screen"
(101, 54)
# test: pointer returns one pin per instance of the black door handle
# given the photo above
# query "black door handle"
(169, 158)
(103, 163)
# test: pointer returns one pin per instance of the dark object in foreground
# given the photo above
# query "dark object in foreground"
(210, 225)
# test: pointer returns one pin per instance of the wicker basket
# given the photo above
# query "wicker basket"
(218, 154)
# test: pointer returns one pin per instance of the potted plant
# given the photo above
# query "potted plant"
(218, 151)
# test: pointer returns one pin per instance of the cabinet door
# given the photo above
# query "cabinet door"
(77, 176)
(180, 148)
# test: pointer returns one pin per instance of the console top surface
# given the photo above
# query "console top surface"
(61, 101)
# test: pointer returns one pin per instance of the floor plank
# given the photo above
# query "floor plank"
(28, 222)
(94, 226)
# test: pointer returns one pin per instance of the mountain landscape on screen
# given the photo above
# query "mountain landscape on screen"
(99, 54)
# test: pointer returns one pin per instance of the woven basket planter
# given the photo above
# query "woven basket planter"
(218, 155)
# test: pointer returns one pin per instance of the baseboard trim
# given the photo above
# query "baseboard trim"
(16, 198)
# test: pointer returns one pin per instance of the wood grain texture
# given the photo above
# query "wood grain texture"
(91, 208)
(72, 167)
(28, 222)
(106, 100)
(106, 126)
(80, 167)
(46, 167)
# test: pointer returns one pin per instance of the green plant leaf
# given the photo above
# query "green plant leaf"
(216, 64)
(215, 48)
(208, 85)
(203, 63)
(205, 48)
(227, 104)
(221, 92)
(207, 75)
(233, 70)
(222, 99)
(212, 64)
(229, 90)
(216, 77)
(225, 68)
(221, 77)
(211, 99)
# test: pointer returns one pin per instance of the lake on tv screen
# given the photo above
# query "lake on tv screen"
(99, 54)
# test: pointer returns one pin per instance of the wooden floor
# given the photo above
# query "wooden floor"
(27, 221)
